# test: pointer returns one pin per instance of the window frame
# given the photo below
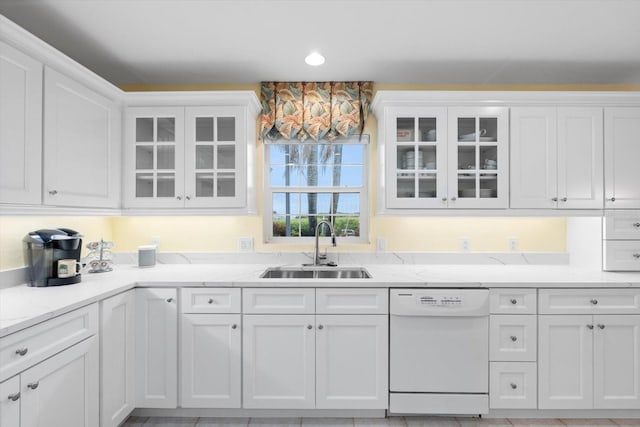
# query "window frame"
(363, 191)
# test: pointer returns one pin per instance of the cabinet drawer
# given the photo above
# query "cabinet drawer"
(278, 300)
(512, 385)
(22, 349)
(512, 338)
(512, 301)
(621, 255)
(589, 301)
(622, 225)
(352, 301)
(203, 300)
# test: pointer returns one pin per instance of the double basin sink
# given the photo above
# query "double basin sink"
(315, 272)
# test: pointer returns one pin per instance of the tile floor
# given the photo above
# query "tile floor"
(375, 422)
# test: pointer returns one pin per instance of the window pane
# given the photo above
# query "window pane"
(166, 157)
(204, 129)
(323, 203)
(204, 184)
(144, 156)
(226, 157)
(324, 175)
(278, 154)
(348, 176)
(226, 184)
(286, 204)
(226, 128)
(347, 226)
(144, 129)
(346, 203)
(166, 129)
(144, 185)
(204, 157)
(351, 154)
(166, 185)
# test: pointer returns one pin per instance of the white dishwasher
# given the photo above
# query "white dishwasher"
(439, 351)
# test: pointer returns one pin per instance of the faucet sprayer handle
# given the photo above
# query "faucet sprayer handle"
(333, 239)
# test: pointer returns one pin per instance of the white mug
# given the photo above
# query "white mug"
(68, 268)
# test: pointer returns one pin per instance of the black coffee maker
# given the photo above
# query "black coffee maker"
(52, 256)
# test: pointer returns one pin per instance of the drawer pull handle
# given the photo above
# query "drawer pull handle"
(636, 256)
(590, 326)
(564, 199)
(234, 326)
(15, 396)
(601, 326)
(309, 327)
(22, 351)
(444, 199)
(514, 301)
(636, 224)
(169, 299)
(514, 386)
(514, 338)
(33, 386)
(554, 199)
(594, 301)
(53, 192)
(613, 199)
(320, 327)
(210, 301)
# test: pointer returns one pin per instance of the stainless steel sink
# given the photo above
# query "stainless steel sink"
(315, 273)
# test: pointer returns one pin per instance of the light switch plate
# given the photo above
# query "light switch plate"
(246, 244)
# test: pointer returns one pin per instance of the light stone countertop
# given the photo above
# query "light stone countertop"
(22, 306)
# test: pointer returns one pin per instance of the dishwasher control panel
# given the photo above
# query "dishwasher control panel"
(439, 302)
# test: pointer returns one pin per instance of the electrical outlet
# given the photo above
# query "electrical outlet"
(464, 244)
(381, 244)
(513, 244)
(155, 241)
(246, 244)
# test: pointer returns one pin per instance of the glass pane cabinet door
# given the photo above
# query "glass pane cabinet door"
(213, 172)
(416, 151)
(478, 152)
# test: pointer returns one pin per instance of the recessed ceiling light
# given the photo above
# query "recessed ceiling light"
(314, 59)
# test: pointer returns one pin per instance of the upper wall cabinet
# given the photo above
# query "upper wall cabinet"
(622, 157)
(81, 145)
(439, 157)
(192, 156)
(20, 127)
(556, 157)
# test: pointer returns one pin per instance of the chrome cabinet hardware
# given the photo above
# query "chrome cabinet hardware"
(564, 199)
(636, 256)
(612, 199)
(169, 299)
(34, 385)
(210, 301)
(309, 327)
(453, 199)
(514, 301)
(15, 396)
(444, 199)
(594, 301)
(188, 197)
(320, 327)
(514, 386)
(636, 224)
(514, 338)
(554, 199)
(178, 197)
(53, 192)
(601, 326)
(22, 351)
(590, 326)
(234, 326)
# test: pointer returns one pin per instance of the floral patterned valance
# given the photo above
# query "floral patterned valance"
(320, 110)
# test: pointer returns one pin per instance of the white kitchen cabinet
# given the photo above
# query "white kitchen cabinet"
(62, 390)
(117, 358)
(621, 154)
(557, 157)
(352, 361)
(513, 385)
(454, 157)
(156, 365)
(279, 361)
(20, 127)
(10, 391)
(512, 338)
(82, 134)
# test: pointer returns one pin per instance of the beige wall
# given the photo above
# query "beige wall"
(221, 234)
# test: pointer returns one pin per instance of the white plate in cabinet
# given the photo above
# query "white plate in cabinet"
(512, 385)
(622, 225)
(32, 345)
(278, 301)
(512, 301)
(352, 301)
(198, 300)
(621, 255)
(512, 338)
(589, 301)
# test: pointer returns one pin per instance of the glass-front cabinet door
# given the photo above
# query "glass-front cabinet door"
(416, 157)
(155, 157)
(214, 171)
(478, 157)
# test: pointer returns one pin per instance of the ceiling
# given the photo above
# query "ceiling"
(421, 42)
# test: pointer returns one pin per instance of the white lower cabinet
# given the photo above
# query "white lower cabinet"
(117, 358)
(512, 385)
(211, 360)
(589, 362)
(156, 366)
(10, 392)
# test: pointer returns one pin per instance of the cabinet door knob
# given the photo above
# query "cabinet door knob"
(169, 299)
(590, 326)
(601, 326)
(636, 224)
(178, 197)
(309, 327)
(554, 199)
(33, 386)
(636, 256)
(514, 301)
(564, 199)
(612, 199)
(444, 199)
(22, 351)
(188, 197)
(53, 192)
(210, 301)
(594, 301)
(453, 199)
(15, 396)
(514, 386)
(320, 327)
(513, 338)
(234, 326)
